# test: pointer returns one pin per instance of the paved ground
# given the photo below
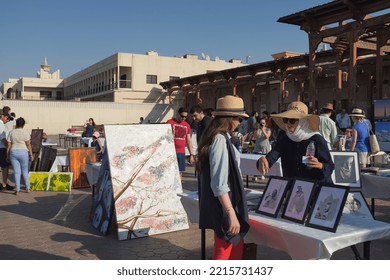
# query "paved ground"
(53, 226)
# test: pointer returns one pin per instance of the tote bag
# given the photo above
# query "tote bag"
(373, 142)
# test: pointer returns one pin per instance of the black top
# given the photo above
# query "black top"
(291, 154)
(201, 127)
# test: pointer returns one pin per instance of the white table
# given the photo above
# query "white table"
(60, 161)
(248, 167)
(72, 140)
(49, 144)
(190, 202)
(375, 186)
(302, 242)
(93, 170)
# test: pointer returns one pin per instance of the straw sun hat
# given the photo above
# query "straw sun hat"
(230, 106)
(357, 113)
(297, 110)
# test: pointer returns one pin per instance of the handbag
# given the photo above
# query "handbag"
(374, 143)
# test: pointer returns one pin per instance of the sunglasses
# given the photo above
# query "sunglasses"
(291, 121)
(183, 116)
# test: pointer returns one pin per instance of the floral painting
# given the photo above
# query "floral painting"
(39, 180)
(60, 181)
(145, 180)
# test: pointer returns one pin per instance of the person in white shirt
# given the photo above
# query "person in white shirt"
(328, 128)
(4, 164)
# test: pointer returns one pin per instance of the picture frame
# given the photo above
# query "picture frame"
(356, 205)
(346, 171)
(273, 195)
(298, 201)
(328, 206)
(60, 181)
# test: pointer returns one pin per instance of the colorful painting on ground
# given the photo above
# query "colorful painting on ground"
(102, 200)
(78, 158)
(60, 181)
(39, 180)
(145, 180)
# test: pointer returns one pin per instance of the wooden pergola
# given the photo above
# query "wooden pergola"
(357, 40)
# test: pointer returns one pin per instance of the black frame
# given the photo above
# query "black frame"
(264, 204)
(307, 188)
(324, 218)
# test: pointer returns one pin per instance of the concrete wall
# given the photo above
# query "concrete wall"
(56, 117)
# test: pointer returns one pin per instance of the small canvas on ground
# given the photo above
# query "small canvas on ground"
(39, 180)
(145, 180)
(60, 181)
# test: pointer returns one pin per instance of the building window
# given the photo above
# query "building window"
(172, 78)
(45, 94)
(151, 79)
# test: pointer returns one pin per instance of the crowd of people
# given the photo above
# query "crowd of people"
(288, 135)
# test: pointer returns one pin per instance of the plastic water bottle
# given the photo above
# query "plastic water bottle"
(310, 151)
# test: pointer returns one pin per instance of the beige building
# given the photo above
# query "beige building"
(122, 78)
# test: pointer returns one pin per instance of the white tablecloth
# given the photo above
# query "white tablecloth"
(302, 242)
(92, 170)
(375, 186)
(60, 160)
(248, 166)
(190, 202)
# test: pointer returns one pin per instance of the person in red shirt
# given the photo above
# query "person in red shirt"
(182, 136)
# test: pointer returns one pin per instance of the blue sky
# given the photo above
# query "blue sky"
(75, 34)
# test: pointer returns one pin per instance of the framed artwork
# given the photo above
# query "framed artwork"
(298, 202)
(39, 180)
(328, 206)
(346, 169)
(356, 205)
(60, 181)
(273, 195)
(78, 158)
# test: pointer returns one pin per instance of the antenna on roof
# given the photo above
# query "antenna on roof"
(203, 56)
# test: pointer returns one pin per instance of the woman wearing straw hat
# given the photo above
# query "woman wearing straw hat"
(301, 130)
(221, 193)
(360, 136)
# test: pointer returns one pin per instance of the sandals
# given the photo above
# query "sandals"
(28, 190)
(16, 193)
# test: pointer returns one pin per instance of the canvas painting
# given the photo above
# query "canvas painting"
(48, 157)
(60, 181)
(145, 180)
(36, 140)
(273, 196)
(78, 158)
(102, 199)
(39, 180)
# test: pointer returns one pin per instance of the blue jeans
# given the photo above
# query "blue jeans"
(19, 160)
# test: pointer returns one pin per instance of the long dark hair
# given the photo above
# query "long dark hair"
(216, 126)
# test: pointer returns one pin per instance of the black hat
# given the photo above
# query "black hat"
(6, 114)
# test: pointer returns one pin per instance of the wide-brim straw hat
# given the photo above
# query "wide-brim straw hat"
(297, 110)
(357, 113)
(328, 106)
(230, 106)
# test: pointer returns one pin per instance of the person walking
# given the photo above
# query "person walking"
(328, 127)
(19, 152)
(301, 133)
(182, 136)
(222, 202)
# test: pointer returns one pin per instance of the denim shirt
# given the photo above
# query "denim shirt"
(219, 165)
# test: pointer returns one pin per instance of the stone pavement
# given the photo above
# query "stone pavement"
(55, 226)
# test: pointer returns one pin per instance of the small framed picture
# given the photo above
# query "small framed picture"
(328, 206)
(273, 195)
(298, 202)
(346, 169)
(356, 205)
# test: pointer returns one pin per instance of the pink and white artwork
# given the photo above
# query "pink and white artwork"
(145, 180)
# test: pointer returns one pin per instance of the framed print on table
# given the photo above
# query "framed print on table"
(346, 169)
(298, 202)
(356, 205)
(328, 205)
(273, 195)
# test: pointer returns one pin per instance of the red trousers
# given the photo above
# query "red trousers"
(226, 251)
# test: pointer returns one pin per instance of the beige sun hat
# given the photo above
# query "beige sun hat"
(230, 106)
(357, 112)
(297, 110)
